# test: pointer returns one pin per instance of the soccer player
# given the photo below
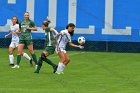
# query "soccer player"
(15, 40)
(64, 39)
(50, 47)
(26, 26)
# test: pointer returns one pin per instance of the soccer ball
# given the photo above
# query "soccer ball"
(81, 40)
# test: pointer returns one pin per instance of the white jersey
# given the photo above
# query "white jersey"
(15, 37)
(64, 39)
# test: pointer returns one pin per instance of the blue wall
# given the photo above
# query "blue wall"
(89, 12)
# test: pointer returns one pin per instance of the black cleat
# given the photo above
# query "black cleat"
(55, 68)
(11, 64)
(31, 62)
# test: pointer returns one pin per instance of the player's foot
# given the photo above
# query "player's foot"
(31, 62)
(36, 71)
(16, 66)
(58, 73)
(55, 68)
(11, 64)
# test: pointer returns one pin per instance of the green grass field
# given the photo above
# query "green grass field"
(88, 72)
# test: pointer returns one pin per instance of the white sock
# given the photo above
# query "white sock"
(11, 58)
(26, 56)
(59, 67)
(62, 67)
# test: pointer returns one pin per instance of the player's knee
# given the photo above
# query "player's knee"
(31, 51)
(10, 52)
(43, 56)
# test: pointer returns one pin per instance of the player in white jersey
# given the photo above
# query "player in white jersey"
(15, 40)
(64, 39)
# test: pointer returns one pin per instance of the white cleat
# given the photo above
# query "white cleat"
(16, 66)
(58, 73)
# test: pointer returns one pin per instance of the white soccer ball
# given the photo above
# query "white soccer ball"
(81, 40)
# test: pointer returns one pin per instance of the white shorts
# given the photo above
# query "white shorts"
(14, 44)
(60, 50)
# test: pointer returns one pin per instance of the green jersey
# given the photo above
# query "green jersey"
(26, 33)
(49, 37)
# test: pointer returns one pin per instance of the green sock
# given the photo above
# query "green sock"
(34, 58)
(49, 62)
(18, 59)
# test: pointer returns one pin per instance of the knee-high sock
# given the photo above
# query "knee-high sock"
(18, 59)
(25, 55)
(49, 62)
(39, 64)
(34, 58)
(11, 58)
(61, 67)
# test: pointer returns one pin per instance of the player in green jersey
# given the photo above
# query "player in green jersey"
(26, 26)
(50, 47)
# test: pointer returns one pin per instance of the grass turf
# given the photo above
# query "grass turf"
(88, 72)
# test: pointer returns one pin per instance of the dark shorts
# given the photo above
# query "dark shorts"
(50, 49)
(26, 42)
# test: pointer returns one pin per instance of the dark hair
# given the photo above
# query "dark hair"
(16, 18)
(46, 23)
(70, 25)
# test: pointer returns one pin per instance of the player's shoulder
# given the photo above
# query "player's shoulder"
(65, 31)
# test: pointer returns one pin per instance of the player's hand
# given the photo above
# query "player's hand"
(6, 36)
(81, 47)
(13, 32)
(27, 27)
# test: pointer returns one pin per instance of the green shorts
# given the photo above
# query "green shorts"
(50, 49)
(26, 42)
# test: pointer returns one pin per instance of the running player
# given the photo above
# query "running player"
(50, 46)
(15, 40)
(26, 39)
(64, 39)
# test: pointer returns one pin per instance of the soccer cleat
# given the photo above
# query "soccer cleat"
(16, 66)
(62, 72)
(36, 72)
(31, 62)
(58, 73)
(55, 68)
(11, 64)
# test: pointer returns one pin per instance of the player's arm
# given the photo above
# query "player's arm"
(52, 29)
(8, 35)
(32, 26)
(76, 46)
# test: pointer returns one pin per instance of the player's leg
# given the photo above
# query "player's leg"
(31, 50)
(20, 50)
(61, 64)
(25, 55)
(11, 56)
(47, 53)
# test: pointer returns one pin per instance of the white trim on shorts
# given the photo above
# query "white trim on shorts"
(14, 44)
(58, 49)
